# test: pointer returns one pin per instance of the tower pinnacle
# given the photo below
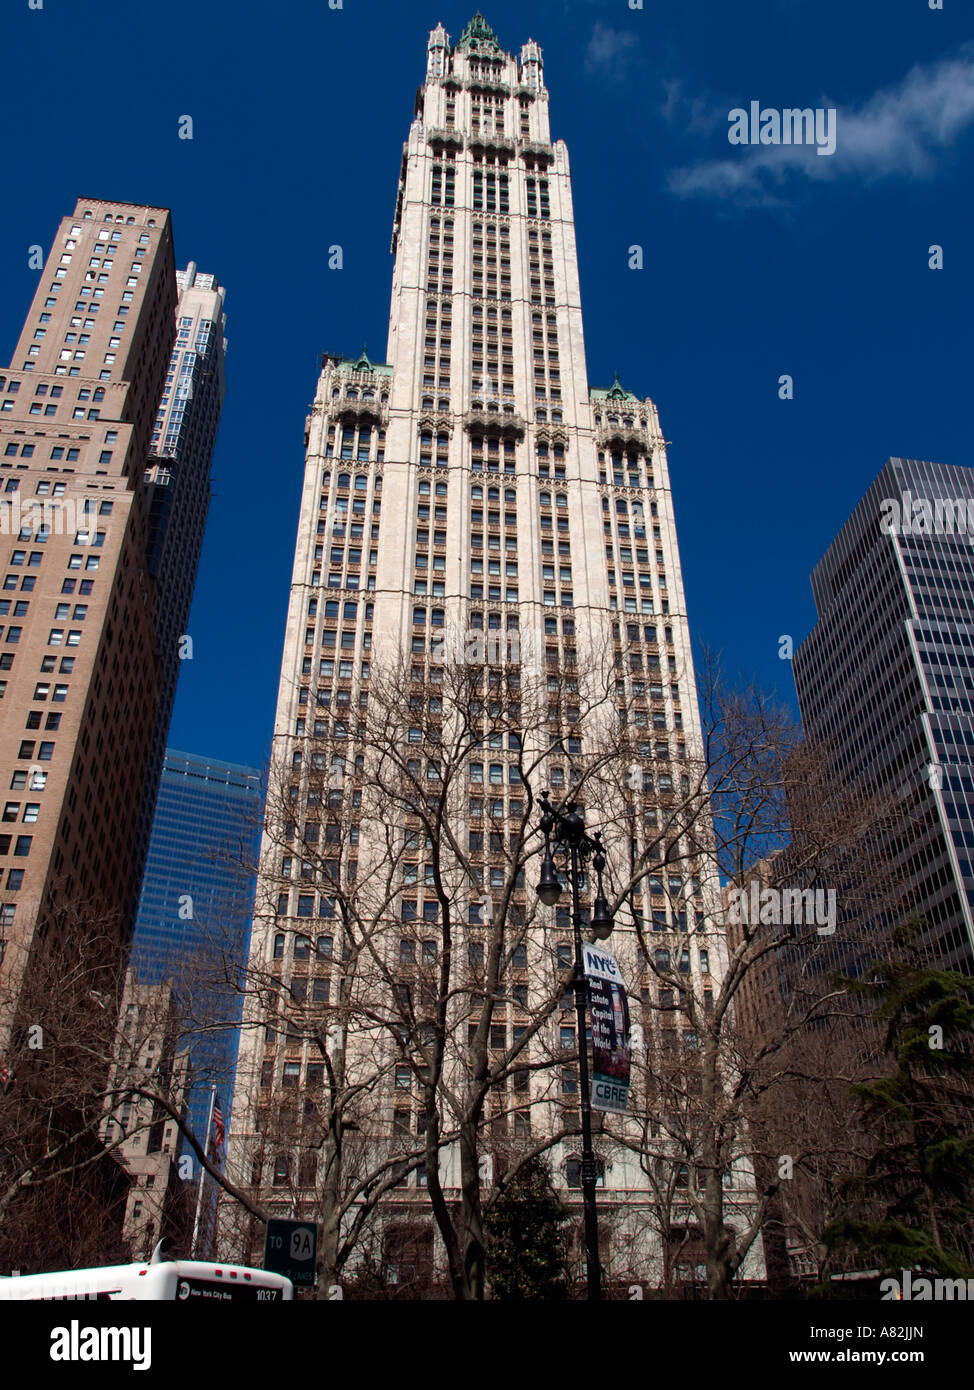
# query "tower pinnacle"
(478, 31)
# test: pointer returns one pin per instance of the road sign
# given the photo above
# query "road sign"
(290, 1248)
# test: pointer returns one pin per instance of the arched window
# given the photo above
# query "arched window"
(278, 945)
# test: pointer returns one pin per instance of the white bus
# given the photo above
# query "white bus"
(181, 1281)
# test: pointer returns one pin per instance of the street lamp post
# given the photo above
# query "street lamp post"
(567, 826)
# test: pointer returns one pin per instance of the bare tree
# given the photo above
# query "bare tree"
(724, 1036)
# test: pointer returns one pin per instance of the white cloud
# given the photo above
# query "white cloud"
(693, 113)
(898, 131)
(609, 50)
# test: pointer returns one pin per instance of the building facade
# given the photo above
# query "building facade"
(87, 667)
(76, 410)
(886, 679)
(144, 1135)
(472, 499)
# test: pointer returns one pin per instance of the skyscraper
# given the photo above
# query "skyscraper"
(178, 473)
(196, 902)
(87, 665)
(886, 678)
(76, 411)
(192, 931)
(471, 492)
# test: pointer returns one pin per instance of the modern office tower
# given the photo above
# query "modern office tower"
(193, 922)
(178, 472)
(79, 677)
(886, 678)
(473, 484)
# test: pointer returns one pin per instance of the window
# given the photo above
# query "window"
(573, 1173)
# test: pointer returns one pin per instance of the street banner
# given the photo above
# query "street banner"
(611, 1038)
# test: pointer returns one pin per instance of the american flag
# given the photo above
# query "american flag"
(219, 1127)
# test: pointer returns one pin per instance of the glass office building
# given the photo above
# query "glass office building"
(886, 678)
(196, 902)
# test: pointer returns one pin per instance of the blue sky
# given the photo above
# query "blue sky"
(754, 266)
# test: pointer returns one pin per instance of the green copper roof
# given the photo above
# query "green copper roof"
(615, 392)
(363, 364)
(478, 31)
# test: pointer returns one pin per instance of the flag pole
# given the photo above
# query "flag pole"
(199, 1195)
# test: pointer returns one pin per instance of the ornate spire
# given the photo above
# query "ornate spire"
(363, 364)
(618, 391)
(478, 31)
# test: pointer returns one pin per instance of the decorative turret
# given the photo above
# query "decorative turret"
(532, 72)
(438, 52)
